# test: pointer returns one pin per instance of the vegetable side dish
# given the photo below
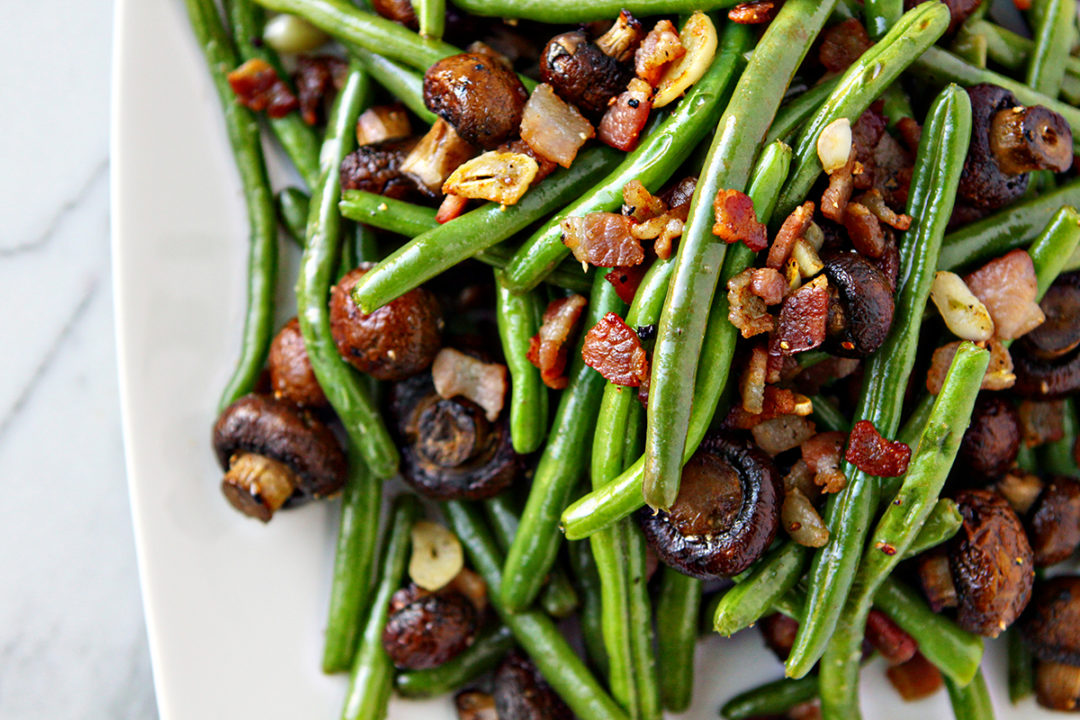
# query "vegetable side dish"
(669, 314)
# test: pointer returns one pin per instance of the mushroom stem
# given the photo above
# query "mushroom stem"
(1057, 686)
(1024, 139)
(257, 486)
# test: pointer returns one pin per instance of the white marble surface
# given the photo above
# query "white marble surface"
(72, 642)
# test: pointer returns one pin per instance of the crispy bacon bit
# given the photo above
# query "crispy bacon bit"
(603, 240)
(874, 201)
(548, 348)
(1007, 287)
(864, 229)
(614, 350)
(834, 200)
(736, 220)
(748, 293)
(767, 284)
(640, 204)
(626, 281)
(659, 48)
(916, 679)
(783, 433)
(258, 87)
(822, 454)
(622, 38)
(794, 227)
(801, 326)
(624, 120)
(894, 644)
(910, 132)
(456, 373)
(752, 13)
(450, 208)
(875, 455)
(866, 134)
(999, 376)
(554, 128)
(776, 402)
(752, 382)
(1042, 421)
(663, 230)
(843, 44)
(317, 77)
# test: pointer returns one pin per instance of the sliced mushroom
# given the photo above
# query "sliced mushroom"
(1059, 333)
(425, 629)
(450, 449)
(1051, 624)
(291, 376)
(1054, 526)
(522, 694)
(992, 440)
(376, 168)
(726, 514)
(271, 452)
(582, 74)
(478, 95)
(992, 563)
(861, 306)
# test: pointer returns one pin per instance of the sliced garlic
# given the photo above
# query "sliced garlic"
(964, 314)
(815, 236)
(834, 145)
(437, 557)
(501, 177)
(698, 36)
(807, 258)
(290, 34)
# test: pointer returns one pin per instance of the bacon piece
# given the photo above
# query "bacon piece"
(875, 455)
(782, 433)
(626, 281)
(910, 132)
(736, 220)
(450, 208)
(864, 229)
(614, 350)
(602, 239)
(874, 201)
(748, 294)
(455, 373)
(768, 284)
(999, 376)
(889, 639)
(834, 200)
(916, 679)
(843, 44)
(317, 77)
(548, 348)
(659, 48)
(801, 325)
(553, 127)
(794, 227)
(776, 402)
(866, 134)
(752, 13)
(822, 454)
(1007, 287)
(624, 120)
(752, 382)
(663, 230)
(257, 86)
(639, 204)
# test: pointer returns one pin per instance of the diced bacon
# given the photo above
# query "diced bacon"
(768, 284)
(801, 325)
(916, 679)
(875, 203)
(823, 454)
(317, 77)
(626, 281)
(614, 350)
(794, 227)
(624, 120)
(554, 128)
(864, 229)
(752, 13)
(910, 132)
(257, 86)
(548, 348)
(999, 376)
(639, 204)
(834, 200)
(843, 44)
(752, 382)
(451, 207)
(736, 220)
(659, 48)
(455, 373)
(782, 433)
(895, 645)
(1007, 287)
(602, 240)
(746, 309)
(875, 455)
(776, 401)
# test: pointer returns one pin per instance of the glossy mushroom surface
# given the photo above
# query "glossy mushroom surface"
(991, 442)
(291, 376)
(480, 97)
(582, 74)
(522, 694)
(425, 630)
(861, 306)
(1051, 624)
(1054, 525)
(376, 168)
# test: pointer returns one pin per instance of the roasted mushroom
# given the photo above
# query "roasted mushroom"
(291, 376)
(778, 631)
(861, 306)
(522, 694)
(425, 629)
(478, 96)
(400, 11)
(991, 562)
(992, 440)
(450, 449)
(726, 514)
(1051, 624)
(398, 340)
(1057, 685)
(271, 452)
(1047, 359)
(475, 705)
(376, 168)
(583, 74)
(1008, 141)
(1054, 525)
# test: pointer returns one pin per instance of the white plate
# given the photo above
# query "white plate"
(235, 609)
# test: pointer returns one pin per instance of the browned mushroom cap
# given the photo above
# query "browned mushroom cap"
(396, 341)
(1057, 685)
(400, 11)
(475, 705)
(478, 95)
(991, 562)
(1051, 624)
(522, 694)
(861, 306)
(1059, 333)
(376, 168)
(272, 451)
(983, 183)
(291, 376)
(726, 513)
(992, 440)
(451, 451)
(1054, 526)
(582, 74)
(426, 630)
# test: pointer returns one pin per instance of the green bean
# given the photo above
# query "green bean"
(535, 632)
(900, 524)
(592, 621)
(243, 131)
(861, 84)
(677, 612)
(955, 652)
(970, 701)
(896, 104)
(941, 66)
(297, 138)
(938, 164)
(1021, 667)
(518, 318)
(404, 84)
(941, 525)
(772, 577)
(793, 113)
(559, 469)
(1057, 457)
(292, 210)
(882, 15)
(642, 645)
(1052, 249)
(431, 15)
(361, 419)
(911, 431)
(1026, 459)
(680, 333)
(372, 672)
(439, 249)
(1011, 51)
(658, 155)
(828, 415)
(567, 276)
(481, 657)
(1054, 28)
(1013, 227)
(774, 698)
(571, 11)
(623, 495)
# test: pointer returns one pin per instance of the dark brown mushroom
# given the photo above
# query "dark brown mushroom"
(400, 11)
(522, 694)
(992, 441)
(1024, 139)
(1057, 686)
(376, 168)
(478, 96)
(475, 705)
(425, 629)
(778, 631)
(1054, 525)
(398, 340)
(991, 562)
(861, 306)
(1051, 624)
(291, 376)
(271, 452)
(582, 74)
(1047, 359)
(450, 450)
(726, 514)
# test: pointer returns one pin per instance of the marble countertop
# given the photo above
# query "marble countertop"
(72, 641)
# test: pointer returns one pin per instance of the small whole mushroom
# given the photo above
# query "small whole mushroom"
(273, 451)
(426, 629)
(1054, 525)
(480, 97)
(1047, 359)
(1051, 628)
(291, 376)
(376, 168)
(522, 694)
(861, 306)
(582, 73)
(726, 513)
(991, 442)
